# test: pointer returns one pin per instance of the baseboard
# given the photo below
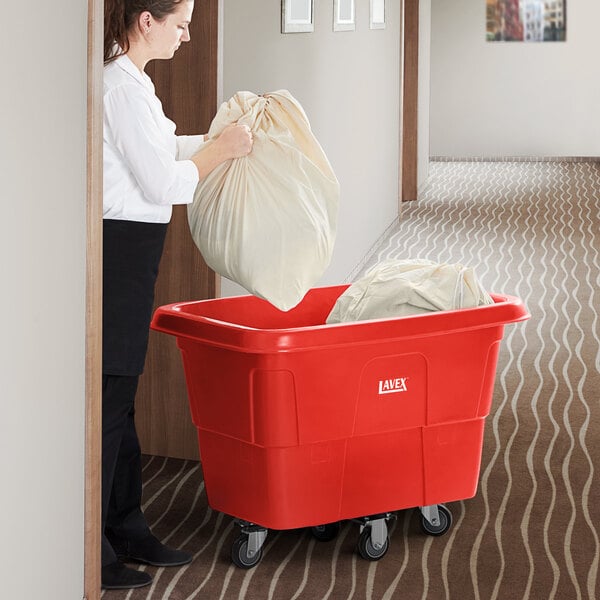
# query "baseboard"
(577, 159)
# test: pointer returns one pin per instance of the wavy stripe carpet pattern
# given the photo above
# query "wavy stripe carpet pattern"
(531, 229)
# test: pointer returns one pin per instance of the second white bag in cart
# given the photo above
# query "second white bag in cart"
(401, 288)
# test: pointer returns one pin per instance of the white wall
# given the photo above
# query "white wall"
(348, 84)
(42, 304)
(513, 98)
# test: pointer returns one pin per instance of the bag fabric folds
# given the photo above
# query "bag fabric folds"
(267, 221)
(399, 288)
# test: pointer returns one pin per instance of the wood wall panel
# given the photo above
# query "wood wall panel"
(409, 100)
(187, 87)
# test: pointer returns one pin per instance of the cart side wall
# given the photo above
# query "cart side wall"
(312, 484)
(302, 397)
(291, 439)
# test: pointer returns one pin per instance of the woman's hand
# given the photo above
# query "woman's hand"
(235, 141)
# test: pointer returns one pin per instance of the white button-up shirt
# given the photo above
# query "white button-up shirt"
(146, 166)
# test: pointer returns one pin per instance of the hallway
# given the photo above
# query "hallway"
(530, 229)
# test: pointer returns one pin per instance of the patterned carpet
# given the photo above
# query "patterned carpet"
(531, 229)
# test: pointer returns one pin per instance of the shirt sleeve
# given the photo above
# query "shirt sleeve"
(188, 145)
(148, 149)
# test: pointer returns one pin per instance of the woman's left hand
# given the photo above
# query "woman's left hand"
(235, 141)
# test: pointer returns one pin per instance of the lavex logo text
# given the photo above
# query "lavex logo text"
(393, 386)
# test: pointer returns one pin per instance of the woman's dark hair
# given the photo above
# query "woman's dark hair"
(119, 16)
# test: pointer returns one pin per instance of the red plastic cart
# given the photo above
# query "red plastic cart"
(303, 424)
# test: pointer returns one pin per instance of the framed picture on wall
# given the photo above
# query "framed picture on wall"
(297, 16)
(377, 14)
(526, 20)
(343, 15)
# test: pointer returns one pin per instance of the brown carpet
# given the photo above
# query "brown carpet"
(531, 229)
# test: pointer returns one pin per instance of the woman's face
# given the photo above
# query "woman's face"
(168, 34)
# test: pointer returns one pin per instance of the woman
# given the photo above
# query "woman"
(147, 169)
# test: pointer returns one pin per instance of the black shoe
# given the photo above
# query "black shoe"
(117, 576)
(152, 552)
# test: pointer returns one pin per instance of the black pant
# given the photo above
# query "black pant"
(122, 517)
(132, 254)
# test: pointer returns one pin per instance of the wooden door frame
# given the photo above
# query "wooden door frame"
(93, 345)
(93, 368)
(409, 87)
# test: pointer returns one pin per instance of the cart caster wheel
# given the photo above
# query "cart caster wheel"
(239, 554)
(325, 533)
(366, 548)
(443, 526)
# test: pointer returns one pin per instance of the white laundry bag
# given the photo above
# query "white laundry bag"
(267, 221)
(399, 288)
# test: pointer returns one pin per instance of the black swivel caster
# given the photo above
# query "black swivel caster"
(435, 522)
(373, 541)
(246, 550)
(370, 550)
(327, 532)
